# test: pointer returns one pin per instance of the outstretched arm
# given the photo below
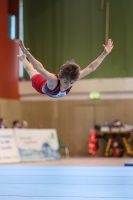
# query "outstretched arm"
(37, 65)
(91, 67)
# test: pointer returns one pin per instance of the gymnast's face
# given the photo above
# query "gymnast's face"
(65, 84)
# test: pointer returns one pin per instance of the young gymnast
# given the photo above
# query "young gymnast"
(53, 85)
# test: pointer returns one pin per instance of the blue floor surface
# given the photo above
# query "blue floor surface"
(66, 183)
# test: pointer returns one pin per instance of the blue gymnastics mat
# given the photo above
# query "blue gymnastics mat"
(129, 164)
(65, 183)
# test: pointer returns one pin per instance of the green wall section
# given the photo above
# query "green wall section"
(61, 30)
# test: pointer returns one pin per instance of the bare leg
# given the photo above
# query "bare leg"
(27, 65)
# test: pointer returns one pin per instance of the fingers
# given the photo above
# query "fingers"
(112, 46)
(21, 57)
(20, 42)
(22, 47)
(110, 41)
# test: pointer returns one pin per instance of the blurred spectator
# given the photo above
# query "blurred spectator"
(3, 123)
(24, 124)
(16, 124)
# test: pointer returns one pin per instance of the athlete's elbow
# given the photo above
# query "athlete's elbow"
(92, 69)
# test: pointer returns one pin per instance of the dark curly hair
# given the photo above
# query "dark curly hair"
(70, 70)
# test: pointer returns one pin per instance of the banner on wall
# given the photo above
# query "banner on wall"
(37, 144)
(8, 148)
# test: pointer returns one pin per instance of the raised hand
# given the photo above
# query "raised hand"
(21, 57)
(22, 47)
(108, 48)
